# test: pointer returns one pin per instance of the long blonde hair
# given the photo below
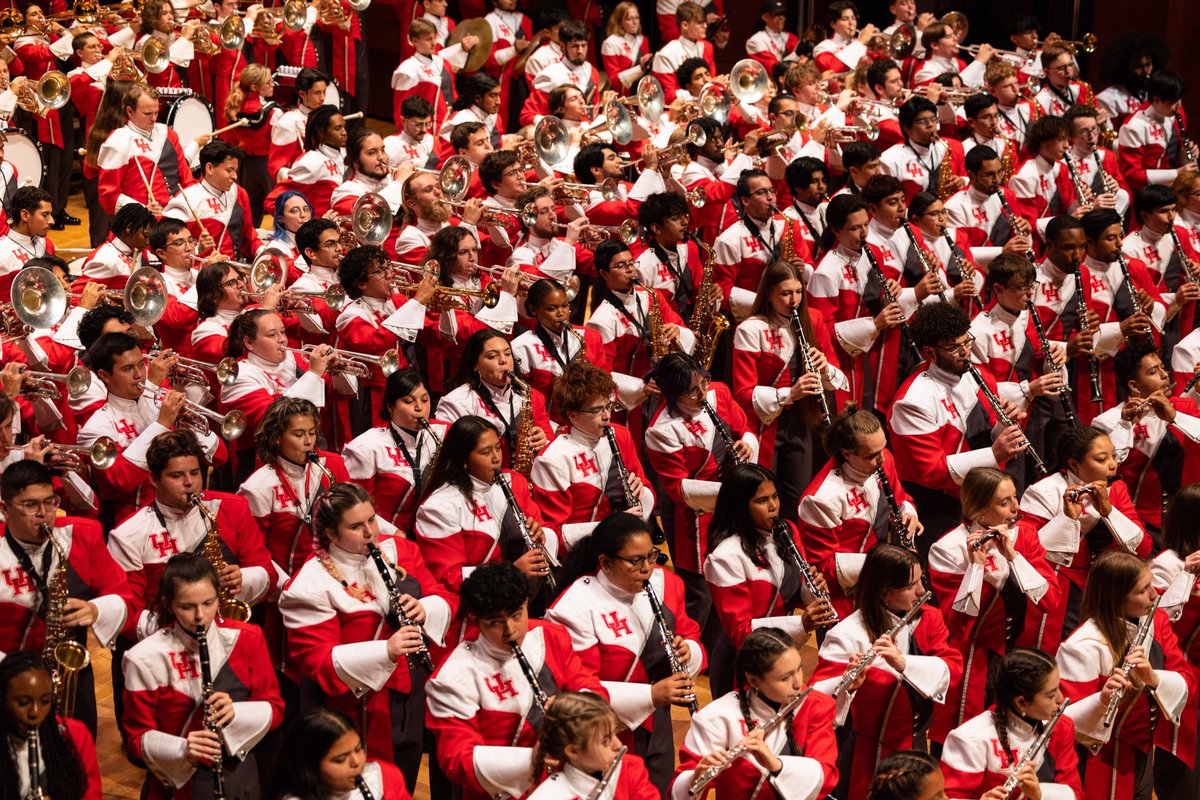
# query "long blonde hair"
(616, 20)
(253, 75)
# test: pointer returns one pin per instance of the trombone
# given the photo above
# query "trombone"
(197, 417)
(101, 453)
(1008, 56)
(190, 370)
(348, 362)
(1085, 45)
(45, 384)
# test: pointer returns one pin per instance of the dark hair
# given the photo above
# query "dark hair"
(836, 215)
(216, 151)
(471, 87)
(731, 516)
(921, 202)
(556, 103)
(859, 154)
(1074, 443)
(308, 235)
(837, 8)
(978, 103)
(1166, 86)
(540, 290)
(65, 774)
(1097, 221)
(1045, 129)
(103, 353)
(606, 539)
(901, 775)
(844, 430)
(400, 383)
(573, 719)
(1180, 532)
(356, 140)
(244, 326)
(274, 422)
(885, 567)
(460, 134)
(319, 121)
(800, 173)
(877, 73)
(1007, 266)
(332, 505)
(352, 272)
(415, 107)
(209, 290)
(711, 129)
(182, 569)
(1112, 576)
(1079, 112)
(1059, 225)
(911, 108)
(1123, 50)
(590, 156)
(687, 70)
(308, 741)
(1128, 362)
(179, 443)
(879, 187)
(977, 155)
(450, 467)
(491, 169)
(572, 30)
(1021, 24)
(1022, 673)
(162, 230)
(673, 375)
(1150, 198)
(309, 77)
(659, 207)
(27, 198)
(742, 189)
(443, 248)
(131, 218)
(494, 588)
(472, 350)
(92, 324)
(757, 656)
(606, 251)
(935, 323)
(20, 475)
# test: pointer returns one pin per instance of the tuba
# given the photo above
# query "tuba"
(66, 657)
(231, 607)
(707, 321)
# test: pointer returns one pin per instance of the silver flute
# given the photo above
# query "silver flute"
(851, 674)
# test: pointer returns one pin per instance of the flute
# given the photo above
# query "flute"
(851, 674)
(888, 299)
(1138, 640)
(994, 533)
(1064, 391)
(398, 608)
(598, 790)
(1034, 752)
(1004, 419)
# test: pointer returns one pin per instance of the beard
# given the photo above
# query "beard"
(437, 211)
(378, 172)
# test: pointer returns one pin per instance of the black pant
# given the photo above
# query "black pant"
(257, 182)
(99, 222)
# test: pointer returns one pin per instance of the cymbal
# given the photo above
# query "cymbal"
(481, 28)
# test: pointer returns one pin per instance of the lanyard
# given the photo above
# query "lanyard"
(305, 513)
(414, 462)
(39, 579)
(548, 339)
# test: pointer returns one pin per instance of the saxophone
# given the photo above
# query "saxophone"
(66, 657)
(231, 607)
(437, 450)
(707, 322)
(1008, 165)
(654, 324)
(947, 185)
(523, 452)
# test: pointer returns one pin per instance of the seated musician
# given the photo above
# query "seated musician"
(321, 167)
(291, 212)
(287, 136)
(30, 216)
(692, 28)
(554, 343)
(112, 262)
(368, 168)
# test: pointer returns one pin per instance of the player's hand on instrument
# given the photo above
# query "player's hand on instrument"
(538, 439)
(965, 290)
(670, 332)
(93, 295)
(1049, 383)
(887, 650)
(1192, 563)
(743, 450)
(533, 563)
(677, 689)
(1009, 443)
(1018, 245)
(230, 578)
(889, 316)
(472, 211)
(1145, 301)
(817, 613)
(1012, 410)
(1135, 325)
(38, 448)
(682, 652)
(160, 366)
(867, 33)
(930, 284)
(202, 746)
(220, 711)
(404, 641)
(1073, 498)
(510, 280)
(807, 385)
(1081, 342)
(756, 746)
(915, 528)
(413, 608)
(172, 404)
(319, 358)
(79, 613)
(13, 376)
(713, 759)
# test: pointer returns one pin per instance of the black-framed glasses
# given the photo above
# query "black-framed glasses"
(637, 562)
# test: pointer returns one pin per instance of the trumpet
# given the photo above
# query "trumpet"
(197, 418)
(348, 362)
(101, 454)
(667, 156)
(628, 232)
(1008, 56)
(566, 192)
(491, 216)
(453, 297)
(45, 384)
(190, 370)
(1085, 45)
(852, 133)
(289, 301)
(953, 96)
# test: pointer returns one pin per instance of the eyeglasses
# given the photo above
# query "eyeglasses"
(329, 243)
(31, 507)
(763, 193)
(383, 271)
(698, 392)
(229, 284)
(959, 348)
(940, 212)
(598, 409)
(182, 242)
(622, 264)
(298, 210)
(637, 562)
(1023, 288)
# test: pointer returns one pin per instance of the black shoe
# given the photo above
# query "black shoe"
(67, 219)
(57, 225)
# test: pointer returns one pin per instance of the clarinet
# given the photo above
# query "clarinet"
(668, 639)
(363, 789)
(1192, 383)
(622, 471)
(965, 269)
(1138, 640)
(1004, 419)
(539, 697)
(598, 790)
(888, 299)
(398, 608)
(1012, 223)
(895, 518)
(1035, 749)
(206, 693)
(806, 571)
(723, 431)
(802, 346)
(523, 527)
(35, 767)
(1093, 360)
(1064, 391)
(851, 674)
(1127, 281)
(1184, 261)
(925, 265)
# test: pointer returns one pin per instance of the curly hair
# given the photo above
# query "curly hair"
(935, 323)
(1045, 129)
(498, 587)
(275, 422)
(581, 382)
(352, 272)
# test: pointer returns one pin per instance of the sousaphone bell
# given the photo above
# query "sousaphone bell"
(748, 81)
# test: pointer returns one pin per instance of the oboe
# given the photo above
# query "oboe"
(668, 639)
(1138, 640)
(964, 268)
(523, 528)
(851, 674)
(1012, 223)
(802, 346)
(1093, 361)
(398, 607)
(921, 257)
(895, 519)
(1004, 419)
(631, 500)
(888, 299)
(539, 697)
(206, 693)
(598, 790)
(1034, 752)
(784, 534)
(1064, 391)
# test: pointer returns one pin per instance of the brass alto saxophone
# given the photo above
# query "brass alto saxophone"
(654, 325)
(947, 185)
(437, 450)
(230, 606)
(707, 322)
(522, 457)
(65, 657)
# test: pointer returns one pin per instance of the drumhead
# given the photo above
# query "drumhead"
(190, 116)
(332, 96)
(25, 155)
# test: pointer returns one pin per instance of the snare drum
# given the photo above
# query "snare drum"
(188, 114)
(285, 88)
(25, 154)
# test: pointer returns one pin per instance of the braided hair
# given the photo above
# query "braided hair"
(758, 654)
(65, 775)
(901, 775)
(573, 719)
(1022, 673)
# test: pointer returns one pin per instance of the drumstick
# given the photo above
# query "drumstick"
(355, 115)
(241, 123)
(145, 180)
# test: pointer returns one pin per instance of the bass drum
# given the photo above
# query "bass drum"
(25, 154)
(191, 116)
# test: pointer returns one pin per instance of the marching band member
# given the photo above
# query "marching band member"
(927, 215)
(414, 140)
(692, 43)
(190, 711)
(424, 212)
(112, 262)
(288, 132)
(478, 101)
(1154, 208)
(554, 343)
(580, 733)
(217, 208)
(250, 99)
(919, 163)
(908, 774)
(47, 555)
(982, 113)
(914, 669)
(807, 179)
(221, 297)
(1151, 142)
(845, 511)
(772, 45)
(981, 754)
(392, 461)
(1080, 512)
(158, 22)
(1097, 166)
(977, 211)
(797, 759)
(321, 167)
(172, 242)
(573, 69)
(321, 250)
(1016, 111)
(940, 42)
(751, 573)
(170, 523)
(542, 254)
(143, 161)
(291, 212)
(707, 173)
(336, 760)
(88, 82)
(30, 215)
(348, 642)
(625, 52)
(606, 575)
(429, 72)
(773, 382)
(66, 751)
(1126, 63)
(577, 479)
(1059, 91)
(672, 261)
(846, 44)
(1042, 186)
(985, 573)
(484, 709)
(1102, 656)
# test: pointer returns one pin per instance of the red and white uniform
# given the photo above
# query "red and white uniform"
(360, 329)
(111, 264)
(584, 77)
(132, 159)
(838, 53)
(431, 77)
(502, 411)
(412, 245)
(810, 773)
(1042, 190)
(458, 533)
(1085, 661)
(742, 253)
(387, 461)
(80, 738)
(259, 382)
(400, 147)
(551, 258)
(1178, 589)
(843, 514)
(315, 175)
(1072, 544)
(677, 277)
(629, 781)
(339, 640)
(1148, 148)
(180, 317)
(919, 166)
(980, 218)
(142, 544)
(687, 453)
(287, 140)
(672, 55)
(15, 250)
(163, 693)
(769, 48)
(482, 711)
(87, 87)
(1093, 166)
(620, 54)
(383, 780)
(980, 603)
(930, 68)
(1056, 102)
(224, 215)
(974, 760)
(544, 354)
(718, 182)
(1006, 345)
(491, 123)
(890, 708)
